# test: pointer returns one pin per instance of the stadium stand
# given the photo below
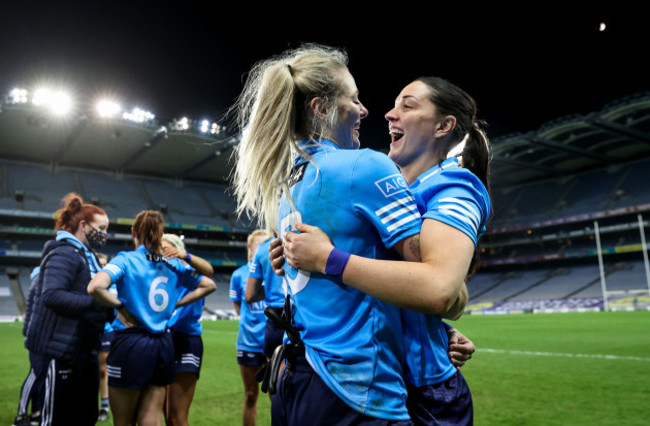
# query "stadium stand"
(569, 200)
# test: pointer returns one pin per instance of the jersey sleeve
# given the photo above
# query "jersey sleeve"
(460, 204)
(255, 269)
(116, 267)
(380, 193)
(235, 287)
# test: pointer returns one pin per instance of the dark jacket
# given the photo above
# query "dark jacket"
(29, 304)
(65, 321)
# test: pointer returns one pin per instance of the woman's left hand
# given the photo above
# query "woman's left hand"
(173, 252)
(307, 250)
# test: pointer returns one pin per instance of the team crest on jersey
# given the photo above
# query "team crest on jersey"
(297, 174)
(392, 185)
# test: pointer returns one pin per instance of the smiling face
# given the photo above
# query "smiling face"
(350, 111)
(412, 124)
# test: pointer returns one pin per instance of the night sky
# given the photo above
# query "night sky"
(524, 65)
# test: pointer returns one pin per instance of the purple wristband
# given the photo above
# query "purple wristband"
(336, 263)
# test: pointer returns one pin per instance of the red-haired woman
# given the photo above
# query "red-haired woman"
(141, 362)
(66, 324)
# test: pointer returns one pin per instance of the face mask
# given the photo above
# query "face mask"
(96, 239)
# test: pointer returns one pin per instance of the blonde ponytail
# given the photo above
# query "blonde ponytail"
(273, 114)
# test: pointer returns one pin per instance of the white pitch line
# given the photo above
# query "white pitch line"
(566, 355)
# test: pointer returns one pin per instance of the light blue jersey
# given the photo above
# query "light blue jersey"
(454, 196)
(353, 341)
(260, 267)
(186, 318)
(251, 317)
(149, 286)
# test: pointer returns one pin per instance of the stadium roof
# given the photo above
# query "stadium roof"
(618, 133)
(31, 134)
(525, 65)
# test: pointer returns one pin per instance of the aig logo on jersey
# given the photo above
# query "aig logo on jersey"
(392, 185)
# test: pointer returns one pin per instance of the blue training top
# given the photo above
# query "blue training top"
(252, 321)
(186, 318)
(454, 196)
(149, 286)
(353, 341)
(260, 267)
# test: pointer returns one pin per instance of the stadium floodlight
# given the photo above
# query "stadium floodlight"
(138, 115)
(17, 96)
(58, 103)
(205, 126)
(181, 124)
(108, 109)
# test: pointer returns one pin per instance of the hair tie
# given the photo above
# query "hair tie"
(290, 70)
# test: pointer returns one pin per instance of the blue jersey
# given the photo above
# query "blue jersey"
(454, 196)
(353, 341)
(260, 267)
(186, 318)
(252, 320)
(149, 286)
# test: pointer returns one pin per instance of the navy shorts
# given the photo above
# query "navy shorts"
(273, 336)
(446, 403)
(107, 338)
(188, 352)
(303, 398)
(255, 359)
(138, 359)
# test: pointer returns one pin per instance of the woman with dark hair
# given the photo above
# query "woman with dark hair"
(66, 324)
(149, 287)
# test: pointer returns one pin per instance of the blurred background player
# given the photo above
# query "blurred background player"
(103, 354)
(149, 287)
(31, 392)
(252, 325)
(264, 284)
(186, 333)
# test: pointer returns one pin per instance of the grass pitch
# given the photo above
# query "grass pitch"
(535, 369)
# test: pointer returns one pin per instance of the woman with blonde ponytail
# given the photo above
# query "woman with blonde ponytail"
(300, 116)
(141, 362)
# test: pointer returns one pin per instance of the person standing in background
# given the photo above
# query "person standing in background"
(252, 325)
(66, 324)
(186, 332)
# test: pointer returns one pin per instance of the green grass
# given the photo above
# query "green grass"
(542, 369)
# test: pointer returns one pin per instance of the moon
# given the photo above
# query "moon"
(602, 27)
